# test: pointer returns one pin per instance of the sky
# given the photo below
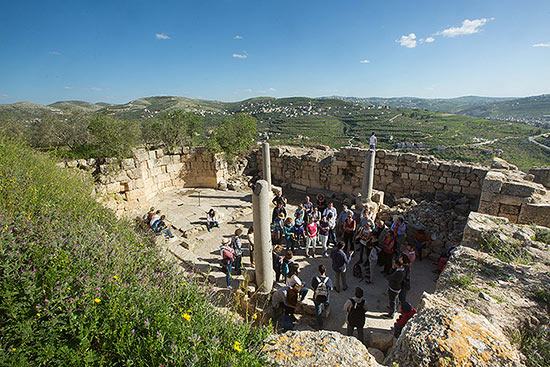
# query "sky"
(229, 50)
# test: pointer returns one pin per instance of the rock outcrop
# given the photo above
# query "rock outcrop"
(321, 348)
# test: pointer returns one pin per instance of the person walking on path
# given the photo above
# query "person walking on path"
(322, 285)
(372, 141)
(356, 308)
(227, 260)
(339, 264)
(395, 281)
(237, 246)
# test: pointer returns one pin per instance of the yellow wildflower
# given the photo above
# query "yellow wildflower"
(97, 300)
(237, 347)
(115, 277)
(37, 315)
(186, 316)
(184, 284)
(254, 317)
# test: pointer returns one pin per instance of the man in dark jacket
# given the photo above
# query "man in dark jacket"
(395, 281)
(340, 262)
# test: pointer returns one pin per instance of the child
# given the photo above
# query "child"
(371, 263)
(406, 313)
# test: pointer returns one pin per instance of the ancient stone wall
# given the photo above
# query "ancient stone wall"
(395, 173)
(513, 195)
(132, 182)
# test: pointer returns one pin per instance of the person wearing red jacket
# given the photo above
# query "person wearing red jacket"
(406, 313)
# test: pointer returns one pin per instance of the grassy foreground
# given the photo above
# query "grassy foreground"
(79, 287)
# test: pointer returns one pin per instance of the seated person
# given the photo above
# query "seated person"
(211, 220)
(154, 218)
(444, 258)
(160, 226)
(421, 240)
(406, 313)
(147, 217)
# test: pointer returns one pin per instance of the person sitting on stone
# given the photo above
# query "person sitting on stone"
(407, 312)
(294, 280)
(395, 281)
(279, 198)
(162, 227)
(321, 285)
(154, 218)
(277, 211)
(444, 258)
(147, 217)
(355, 309)
(421, 240)
(400, 229)
(211, 220)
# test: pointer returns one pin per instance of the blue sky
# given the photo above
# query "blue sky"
(116, 51)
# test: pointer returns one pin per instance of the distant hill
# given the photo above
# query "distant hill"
(529, 109)
(78, 106)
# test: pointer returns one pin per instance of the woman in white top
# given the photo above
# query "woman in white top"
(293, 279)
(211, 220)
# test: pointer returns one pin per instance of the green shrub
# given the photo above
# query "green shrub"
(173, 129)
(112, 137)
(463, 281)
(80, 287)
(542, 235)
(534, 343)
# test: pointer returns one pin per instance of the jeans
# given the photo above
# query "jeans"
(303, 291)
(359, 331)
(167, 232)
(394, 300)
(324, 241)
(319, 311)
(332, 236)
(309, 242)
(228, 274)
(238, 263)
(290, 244)
(210, 225)
(341, 275)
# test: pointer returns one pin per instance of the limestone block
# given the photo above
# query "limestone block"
(535, 213)
(138, 183)
(155, 171)
(122, 176)
(381, 341)
(152, 154)
(165, 160)
(140, 154)
(511, 217)
(405, 176)
(407, 169)
(424, 177)
(443, 180)
(465, 183)
(457, 189)
(152, 163)
(489, 207)
(523, 189)
(509, 209)
(492, 184)
(128, 163)
(113, 188)
(470, 191)
(453, 181)
(454, 168)
(159, 153)
(414, 176)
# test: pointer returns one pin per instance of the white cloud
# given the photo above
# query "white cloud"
(429, 39)
(55, 53)
(271, 89)
(237, 37)
(240, 56)
(408, 41)
(541, 44)
(95, 89)
(162, 36)
(365, 61)
(468, 27)
(68, 87)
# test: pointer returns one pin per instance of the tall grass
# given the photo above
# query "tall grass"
(80, 287)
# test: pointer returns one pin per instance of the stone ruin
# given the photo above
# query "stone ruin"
(450, 199)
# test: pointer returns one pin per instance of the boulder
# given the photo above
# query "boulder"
(377, 354)
(499, 163)
(442, 334)
(381, 341)
(317, 348)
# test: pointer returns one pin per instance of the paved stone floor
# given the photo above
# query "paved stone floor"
(183, 210)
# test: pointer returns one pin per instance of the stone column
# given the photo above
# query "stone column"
(368, 176)
(262, 236)
(266, 157)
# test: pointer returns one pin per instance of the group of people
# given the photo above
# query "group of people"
(377, 244)
(232, 253)
(157, 222)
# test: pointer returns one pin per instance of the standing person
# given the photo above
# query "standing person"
(316, 215)
(308, 207)
(395, 280)
(406, 284)
(339, 264)
(299, 215)
(370, 263)
(227, 260)
(372, 141)
(363, 237)
(349, 230)
(331, 214)
(278, 229)
(379, 233)
(279, 198)
(322, 285)
(237, 246)
(324, 228)
(311, 239)
(294, 280)
(342, 217)
(211, 220)
(387, 251)
(277, 261)
(277, 212)
(289, 234)
(356, 308)
(250, 238)
(321, 203)
(400, 229)
(287, 264)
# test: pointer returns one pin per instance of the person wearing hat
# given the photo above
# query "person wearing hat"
(356, 307)
(228, 255)
(407, 311)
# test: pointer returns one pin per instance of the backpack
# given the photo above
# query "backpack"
(357, 271)
(285, 268)
(356, 316)
(321, 292)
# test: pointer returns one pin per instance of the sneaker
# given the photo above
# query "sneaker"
(209, 229)
(229, 287)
